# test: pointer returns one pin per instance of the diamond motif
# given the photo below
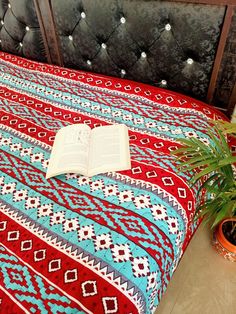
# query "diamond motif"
(173, 225)
(5, 141)
(38, 157)
(158, 96)
(83, 180)
(70, 225)
(142, 201)
(97, 185)
(26, 151)
(190, 205)
(102, 241)
(159, 211)
(182, 192)
(137, 89)
(159, 145)
(39, 255)
(182, 101)
(136, 170)
(152, 281)
(151, 174)
(145, 140)
(132, 137)
(54, 265)
(17, 278)
(86, 232)
(45, 210)
(121, 252)
(70, 275)
(8, 188)
(3, 225)
(13, 235)
(169, 99)
(167, 181)
(89, 288)
(20, 195)
(126, 196)
(26, 245)
(57, 218)
(110, 305)
(32, 202)
(127, 87)
(140, 266)
(110, 189)
(172, 148)
(16, 146)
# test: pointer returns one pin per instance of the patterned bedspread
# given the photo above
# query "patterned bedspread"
(106, 244)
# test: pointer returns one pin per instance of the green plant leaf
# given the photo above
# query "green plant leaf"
(205, 171)
(227, 161)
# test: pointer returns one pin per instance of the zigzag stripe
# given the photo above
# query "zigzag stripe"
(140, 184)
(98, 267)
(132, 181)
(137, 130)
(66, 195)
(60, 81)
(60, 192)
(72, 250)
(83, 81)
(28, 139)
(75, 102)
(32, 289)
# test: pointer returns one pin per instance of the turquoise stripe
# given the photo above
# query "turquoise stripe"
(124, 268)
(80, 103)
(146, 212)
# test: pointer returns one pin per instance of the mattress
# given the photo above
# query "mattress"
(105, 244)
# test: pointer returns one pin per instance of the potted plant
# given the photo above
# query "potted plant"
(214, 175)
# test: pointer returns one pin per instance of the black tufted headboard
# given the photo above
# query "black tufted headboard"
(157, 42)
(179, 45)
(20, 33)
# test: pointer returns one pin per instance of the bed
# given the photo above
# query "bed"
(110, 243)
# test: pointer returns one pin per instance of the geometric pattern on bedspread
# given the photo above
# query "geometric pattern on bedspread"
(106, 244)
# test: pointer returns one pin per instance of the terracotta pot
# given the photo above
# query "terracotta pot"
(222, 245)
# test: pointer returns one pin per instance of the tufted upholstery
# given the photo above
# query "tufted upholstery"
(163, 43)
(19, 29)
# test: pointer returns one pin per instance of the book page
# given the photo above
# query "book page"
(109, 149)
(70, 151)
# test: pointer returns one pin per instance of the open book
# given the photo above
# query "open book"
(78, 149)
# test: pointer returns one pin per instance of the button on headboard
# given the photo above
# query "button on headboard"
(20, 33)
(163, 43)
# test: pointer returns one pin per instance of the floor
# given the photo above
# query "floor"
(204, 283)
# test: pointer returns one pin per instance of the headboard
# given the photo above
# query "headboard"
(186, 46)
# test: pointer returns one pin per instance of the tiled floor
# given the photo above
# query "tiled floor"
(204, 283)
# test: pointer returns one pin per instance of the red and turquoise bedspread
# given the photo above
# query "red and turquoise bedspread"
(106, 244)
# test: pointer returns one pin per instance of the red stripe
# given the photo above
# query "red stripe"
(47, 188)
(146, 91)
(74, 289)
(7, 305)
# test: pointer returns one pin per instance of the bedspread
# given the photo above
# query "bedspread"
(106, 244)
